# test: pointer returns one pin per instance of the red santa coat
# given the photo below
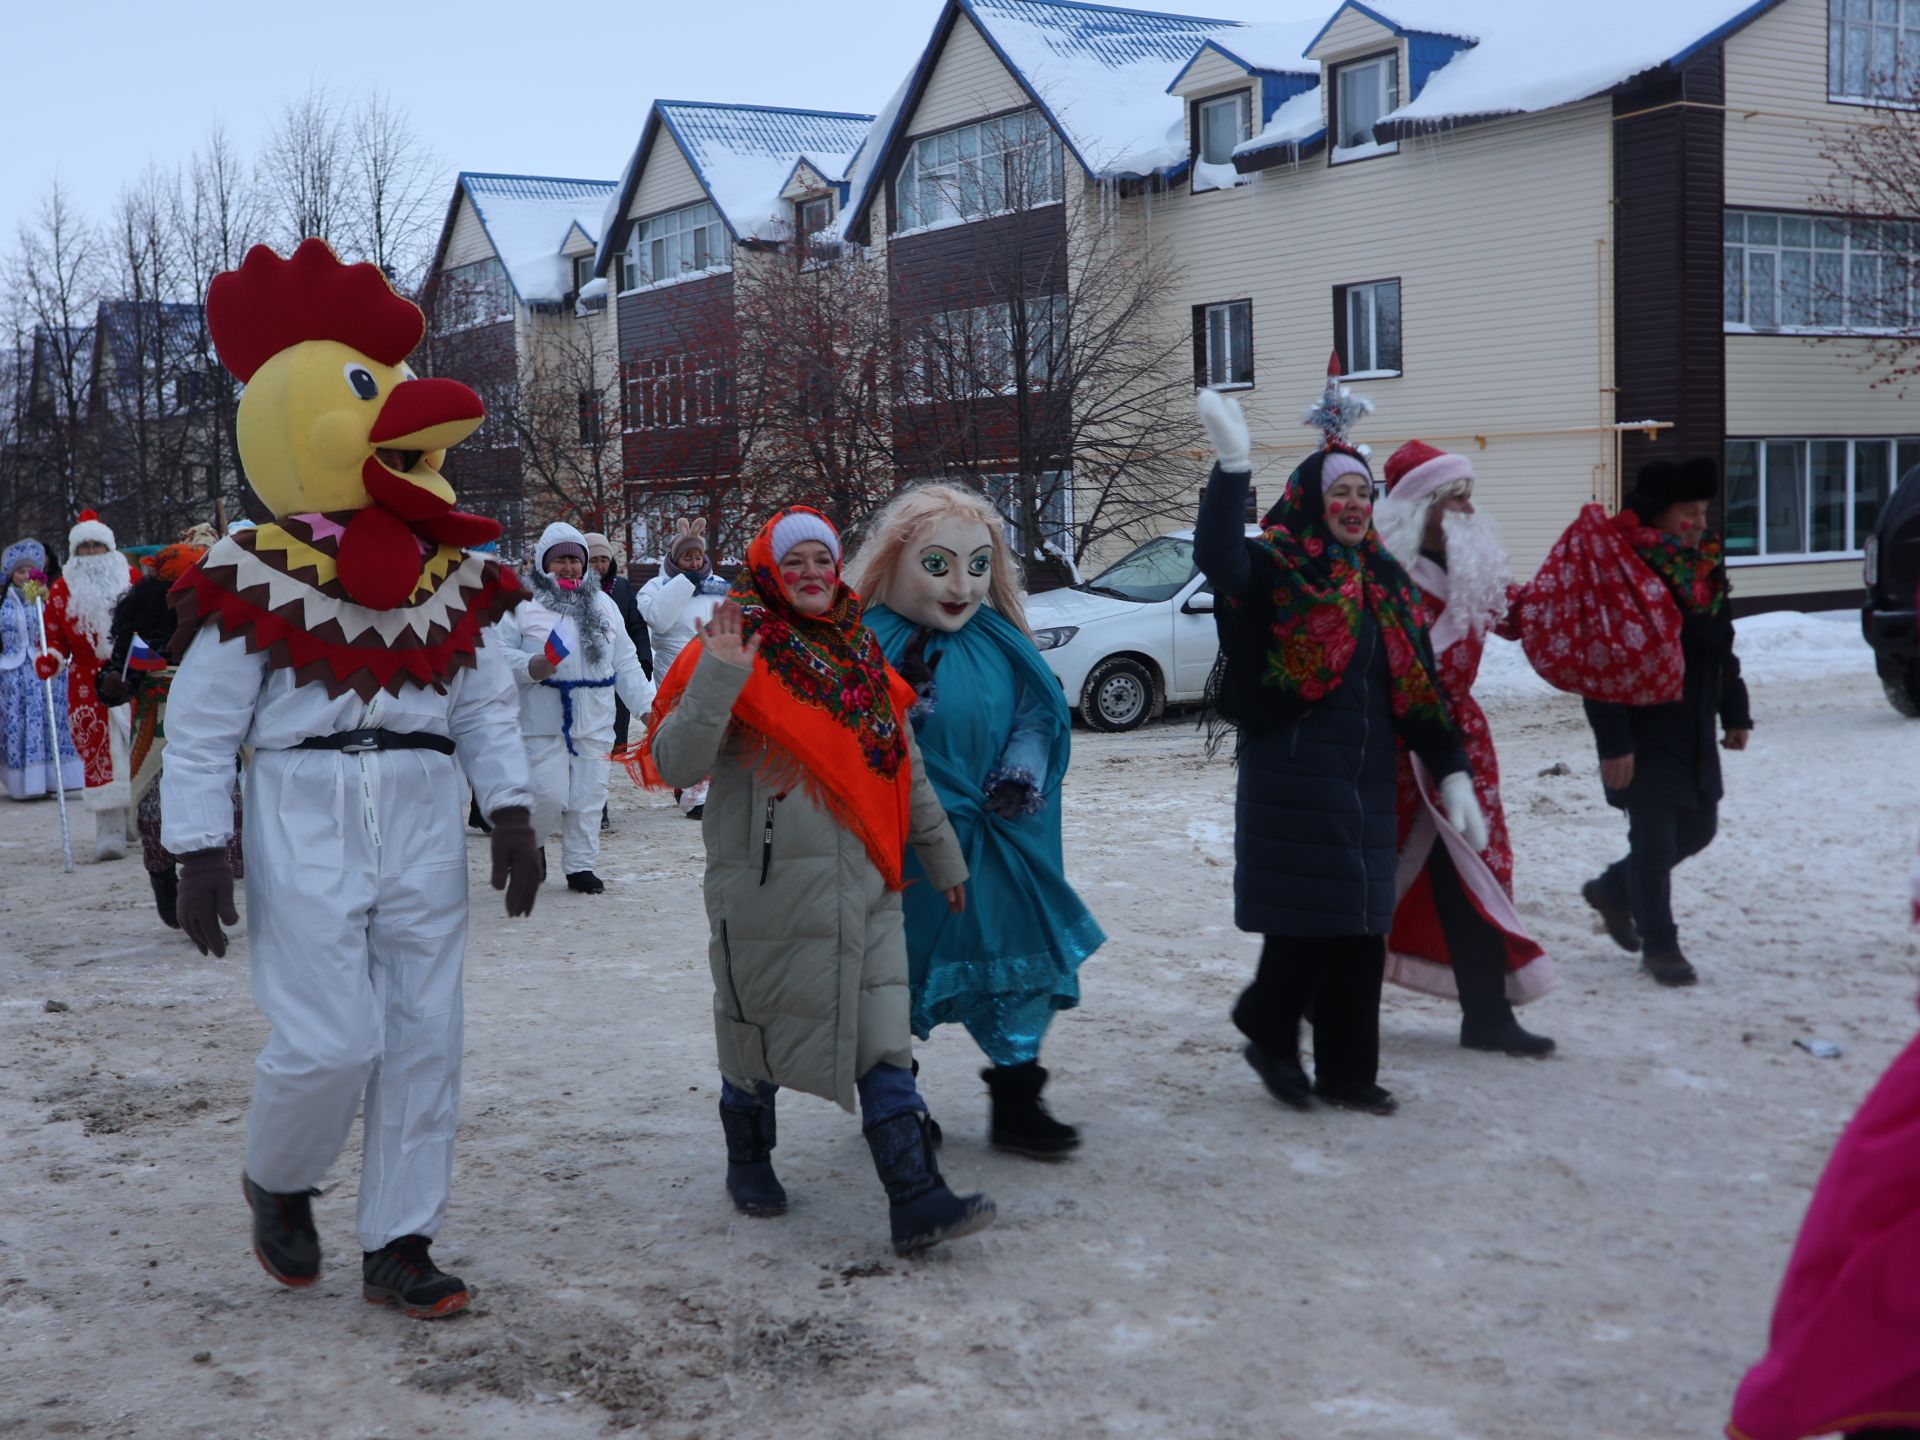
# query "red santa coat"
(90, 722)
(1417, 953)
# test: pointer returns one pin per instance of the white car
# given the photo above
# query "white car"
(1137, 637)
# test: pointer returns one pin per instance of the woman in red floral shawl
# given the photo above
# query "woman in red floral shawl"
(1324, 663)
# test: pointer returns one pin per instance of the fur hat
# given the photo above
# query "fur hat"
(687, 535)
(598, 545)
(89, 527)
(22, 552)
(1661, 483)
(800, 525)
(202, 534)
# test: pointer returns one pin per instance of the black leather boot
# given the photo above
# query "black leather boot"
(1614, 913)
(1498, 1031)
(1020, 1121)
(920, 1207)
(751, 1183)
(1282, 1075)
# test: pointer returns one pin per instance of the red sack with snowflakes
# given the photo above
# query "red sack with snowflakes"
(1597, 621)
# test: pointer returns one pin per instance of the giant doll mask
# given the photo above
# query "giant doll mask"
(941, 578)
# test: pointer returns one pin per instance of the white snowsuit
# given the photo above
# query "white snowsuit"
(356, 892)
(566, 720)
(675, 607)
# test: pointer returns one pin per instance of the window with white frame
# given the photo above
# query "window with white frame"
(1873, 50)
(1367, 327)
(1813, 272)
(1223, 345)
(1364, 91)
(688, 241)
(469, 295)
(1052, 498)
(1787, 498)
(1222, 123)
(972, 352)
(582, 272)
(1011, 162)
(670, 391)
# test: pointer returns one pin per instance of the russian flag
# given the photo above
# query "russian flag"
(142, 656)
(556, 648)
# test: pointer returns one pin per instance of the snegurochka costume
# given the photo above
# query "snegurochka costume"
(343, 643)
(994, 729)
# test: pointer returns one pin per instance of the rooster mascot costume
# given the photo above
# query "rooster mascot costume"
(342, 643)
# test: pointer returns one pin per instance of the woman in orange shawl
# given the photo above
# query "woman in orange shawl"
(785, 699)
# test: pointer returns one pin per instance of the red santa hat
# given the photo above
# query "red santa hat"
(1416, 470)
(89, 527)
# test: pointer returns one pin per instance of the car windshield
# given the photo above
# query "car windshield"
(1158, 570)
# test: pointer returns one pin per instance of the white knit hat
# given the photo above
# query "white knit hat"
(797, 526)
(89, 527)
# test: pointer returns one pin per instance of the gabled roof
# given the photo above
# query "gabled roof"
(1264, 49)
(743, 156)
(528, 219)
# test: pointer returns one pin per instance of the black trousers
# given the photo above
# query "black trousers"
(1339, 976)
(1659, 837)
(1478, 950)
(621, 718)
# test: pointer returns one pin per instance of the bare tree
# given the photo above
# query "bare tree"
(1872, 289)
(56, 275)
(1039, 367)
(395, 184)
(814, 380)
(306, 170)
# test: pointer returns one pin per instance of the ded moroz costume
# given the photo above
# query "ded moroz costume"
(343, 643)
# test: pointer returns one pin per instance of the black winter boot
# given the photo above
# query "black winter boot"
(402, 1274)
(1498, 1031)
(1372, 1099)
(1283, 1077)
(166, 895)
(1614, 912)
(1669, 967)
(586, 882)
(284, 1240)
(751, 1183)
(922, 1209)
(1020, 1121)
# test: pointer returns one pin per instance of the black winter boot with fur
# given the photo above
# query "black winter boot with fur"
(1020, 1121)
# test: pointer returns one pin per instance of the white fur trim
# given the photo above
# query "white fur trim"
(1423, 480)
(89, 530)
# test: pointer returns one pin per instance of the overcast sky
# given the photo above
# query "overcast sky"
(92, 90)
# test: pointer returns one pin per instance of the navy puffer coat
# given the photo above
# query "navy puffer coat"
(1314, 823)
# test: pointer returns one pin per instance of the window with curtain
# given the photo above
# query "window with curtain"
(1224, 123)
(1809, 497)
(681, 242)
(1364, 92)
(1813, 272)
(1223, 345)
(1873, 50)
(1011, 162)
(1367, 327)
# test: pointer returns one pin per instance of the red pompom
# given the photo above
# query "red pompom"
(86, 515)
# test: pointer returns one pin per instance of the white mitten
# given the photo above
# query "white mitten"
(1463, 810)
(1227, 431)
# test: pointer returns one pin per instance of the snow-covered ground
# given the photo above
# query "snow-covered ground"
(1583, 1246)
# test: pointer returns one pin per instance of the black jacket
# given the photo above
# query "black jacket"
(1314, 823)
(621, 590)
(1675, 747)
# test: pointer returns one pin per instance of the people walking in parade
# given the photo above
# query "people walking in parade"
(79, 615)
(674, 604)
(35, 760)
(818, 790)
(343, 643)
(138, 674)
(1455, 930)
(608, 566)
(1324, 662)
(1660, 763)
(571, 658)
(943, 598)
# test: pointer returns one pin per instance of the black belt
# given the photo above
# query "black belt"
(358, 742)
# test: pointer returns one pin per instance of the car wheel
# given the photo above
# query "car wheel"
(1119, 695)
(1902, 684)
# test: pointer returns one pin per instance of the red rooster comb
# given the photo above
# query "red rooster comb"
(269, 305)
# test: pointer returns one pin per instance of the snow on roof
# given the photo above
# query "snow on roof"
(1297, 122)
(745, 154)
(1101, 73)
(1529, 55)
(1277, 47)
(528, 219)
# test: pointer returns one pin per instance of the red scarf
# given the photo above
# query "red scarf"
(822, 702)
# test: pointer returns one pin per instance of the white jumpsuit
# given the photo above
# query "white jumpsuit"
(675, 607)
(356, 893)
(566, 722)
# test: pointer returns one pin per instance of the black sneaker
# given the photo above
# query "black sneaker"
(284, 1240)
(403, 1275)
(586, 882)
(696, 812)
(1615, 914)
(1369, 1098)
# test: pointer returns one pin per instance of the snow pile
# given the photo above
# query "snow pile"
(1528, 55)
(528, 219)
(746, 154)
(1296, 122)
(1276, 46)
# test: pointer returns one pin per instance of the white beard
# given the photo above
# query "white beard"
(1478, 570)
(94, 584)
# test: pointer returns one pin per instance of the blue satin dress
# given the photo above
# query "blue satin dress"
(1005, 964)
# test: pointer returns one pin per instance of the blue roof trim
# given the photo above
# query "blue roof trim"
(1278, 88)
(1241, 61)
(1426, 53)
(664, 110)
(1334, 19)
(1714, 37)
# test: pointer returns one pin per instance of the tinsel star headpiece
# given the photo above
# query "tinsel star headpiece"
(1338, 409)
